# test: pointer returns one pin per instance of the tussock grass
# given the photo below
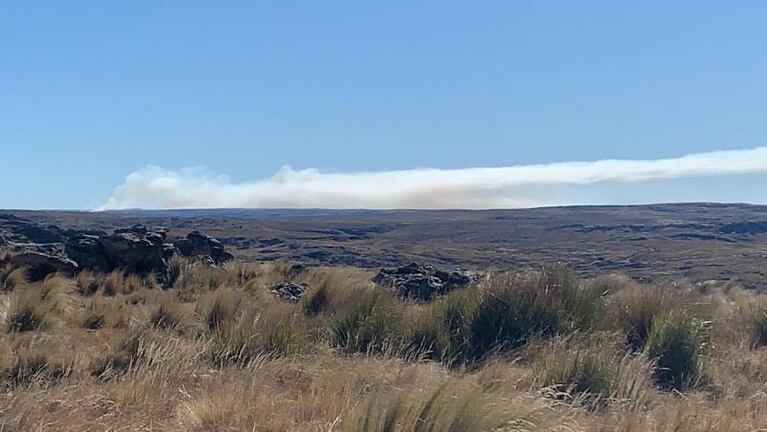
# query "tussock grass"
(11, 278)
(218, 308)
(167, 315)
(26, 312)
(634, 310)
(87, 283)
(371, 323)
(517, 307)
(592, 371)
(527, 351)
(35, 368)
(678, 343)
(443, 332)
(255, 337)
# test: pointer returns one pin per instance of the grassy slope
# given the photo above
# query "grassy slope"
(532, 351)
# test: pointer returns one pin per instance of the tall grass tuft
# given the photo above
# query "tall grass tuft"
(218, 308)
(591, 372)
(318, 300)
(263, 336)
(167, 315)
(34, 368)
(26, 312)
(370, 323)
(677, 342)
(634, 310)
(443, 333)
(515, 308)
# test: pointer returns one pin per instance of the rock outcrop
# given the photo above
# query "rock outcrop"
(289, 291)
(136, 250)
(40, 260)
(200, 246)
(421, 282)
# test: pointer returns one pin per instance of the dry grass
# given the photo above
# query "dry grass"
(538, 351)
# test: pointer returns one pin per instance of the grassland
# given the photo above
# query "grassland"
(539, 350)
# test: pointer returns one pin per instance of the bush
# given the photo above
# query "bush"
(515, 308)
(369, 324)
(677, 342)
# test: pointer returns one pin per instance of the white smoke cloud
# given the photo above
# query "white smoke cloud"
(501, 187)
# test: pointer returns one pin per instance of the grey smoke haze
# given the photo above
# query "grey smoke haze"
(425, 188)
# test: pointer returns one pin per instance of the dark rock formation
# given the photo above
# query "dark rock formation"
(289, 291)
(136, 250)
(40, 260)
(749, 227)
(201, 246)
(421, 282)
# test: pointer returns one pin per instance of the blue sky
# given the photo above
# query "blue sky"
(91, 92)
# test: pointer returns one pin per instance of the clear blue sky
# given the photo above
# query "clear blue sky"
(92, 91)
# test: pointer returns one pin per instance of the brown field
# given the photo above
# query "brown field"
(525, 351)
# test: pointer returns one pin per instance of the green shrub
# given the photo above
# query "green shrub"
(371, 323)
(677, 342)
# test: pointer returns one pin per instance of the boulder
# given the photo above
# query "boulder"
(40, 260)
(87, 251)
(138, 250)
(200, 246)
(421, 282)
(289, 291)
